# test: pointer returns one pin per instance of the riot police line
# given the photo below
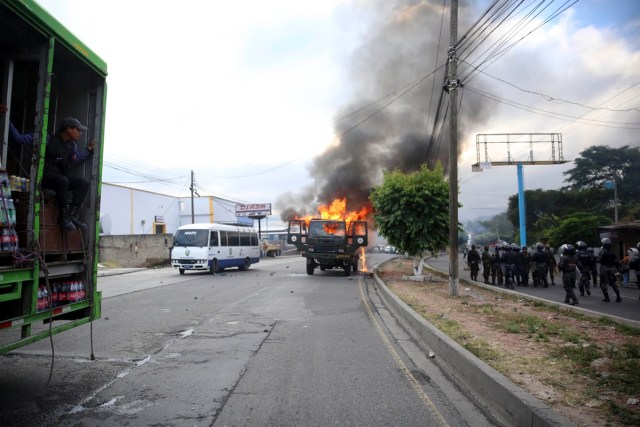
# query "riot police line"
(510, 265)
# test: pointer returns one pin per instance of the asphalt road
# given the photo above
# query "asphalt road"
(629, 308)
(270, 346)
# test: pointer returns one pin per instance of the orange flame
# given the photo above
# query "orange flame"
(363, 259)
(337, 210)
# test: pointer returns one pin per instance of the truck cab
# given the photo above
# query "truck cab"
(328, 244)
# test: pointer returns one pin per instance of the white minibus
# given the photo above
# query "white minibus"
(214, 247)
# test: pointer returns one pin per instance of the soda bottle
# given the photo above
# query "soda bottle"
(40, 298)
(54, 294)
(64, 289)
(73, 291)
(11, 213)
(45, 296)
(3, 213)
(5, 240)
(82, 291)
(14, 239)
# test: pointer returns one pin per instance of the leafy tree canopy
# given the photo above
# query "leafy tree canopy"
(600, 163)
(412, 210)
(577, 226)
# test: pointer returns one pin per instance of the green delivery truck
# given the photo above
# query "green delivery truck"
(47, 274)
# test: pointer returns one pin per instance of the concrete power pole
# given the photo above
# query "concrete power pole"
(452, 85)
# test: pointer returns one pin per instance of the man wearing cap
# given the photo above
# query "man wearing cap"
(62, 153)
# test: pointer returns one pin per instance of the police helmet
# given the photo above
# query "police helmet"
(633, 252)
(506, 247)
(570, 250)
(524, 248)
(638, 246)
(581, 245)
(606, 243)
(563, 249)
(547, 247)
(540, 246)
(590, 250)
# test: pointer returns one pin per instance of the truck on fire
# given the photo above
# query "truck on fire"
(328, 243)
(47, 273)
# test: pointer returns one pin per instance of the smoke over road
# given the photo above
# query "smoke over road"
(398, 50)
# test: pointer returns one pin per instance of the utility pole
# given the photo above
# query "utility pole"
(193, 219)
(452, 85)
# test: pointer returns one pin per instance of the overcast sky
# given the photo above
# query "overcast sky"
(248, 94)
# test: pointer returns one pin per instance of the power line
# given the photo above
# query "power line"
(554, 99)
(560, 116)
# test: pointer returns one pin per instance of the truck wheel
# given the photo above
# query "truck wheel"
(214, 266)
(310, 268)
(181, 270)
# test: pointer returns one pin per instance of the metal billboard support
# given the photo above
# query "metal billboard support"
(534, 140)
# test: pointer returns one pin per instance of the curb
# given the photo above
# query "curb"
(509, 403)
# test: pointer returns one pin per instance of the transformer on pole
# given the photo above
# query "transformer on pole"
(494, 144)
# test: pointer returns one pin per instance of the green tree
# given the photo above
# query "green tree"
(412, 211)
(601, 163)
(578, 226)
(545, 209)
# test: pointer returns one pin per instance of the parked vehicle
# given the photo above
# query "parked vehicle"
(214, 247)
(271, 249)
(47, 275)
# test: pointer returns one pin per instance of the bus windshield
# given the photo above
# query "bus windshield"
(191, 238)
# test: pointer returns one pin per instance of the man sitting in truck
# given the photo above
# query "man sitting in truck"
(62, 153)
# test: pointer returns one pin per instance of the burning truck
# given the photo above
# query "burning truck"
(331, 240)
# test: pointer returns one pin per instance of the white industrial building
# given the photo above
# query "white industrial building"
(129, 211)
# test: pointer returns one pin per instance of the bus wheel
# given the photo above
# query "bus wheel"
(245, 265)
(214, 266)
(181, 270)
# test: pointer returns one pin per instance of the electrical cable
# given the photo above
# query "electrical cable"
(496, 55)
(554, 99)
(433, 83)
(559, 116)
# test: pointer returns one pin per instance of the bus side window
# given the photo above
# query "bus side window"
(233, 238)
(223, 238)
(254, 239)
(213, 241)
(245, 239)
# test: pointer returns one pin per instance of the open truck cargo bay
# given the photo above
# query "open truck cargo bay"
(48, 276)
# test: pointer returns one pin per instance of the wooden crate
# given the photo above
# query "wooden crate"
(51, 238)
(73, 240)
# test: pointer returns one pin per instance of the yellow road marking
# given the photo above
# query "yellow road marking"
(407, 373)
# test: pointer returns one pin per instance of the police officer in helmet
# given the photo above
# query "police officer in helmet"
(609, 265)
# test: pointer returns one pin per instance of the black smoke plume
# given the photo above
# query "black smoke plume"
(394, 124)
